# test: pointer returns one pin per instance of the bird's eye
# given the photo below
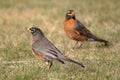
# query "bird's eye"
(69, 12)
(33, 30)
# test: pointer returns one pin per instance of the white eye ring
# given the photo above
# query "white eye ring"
(33, 30)
(69, 12)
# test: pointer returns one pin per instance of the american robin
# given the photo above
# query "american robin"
(77, 31)
(45, 50)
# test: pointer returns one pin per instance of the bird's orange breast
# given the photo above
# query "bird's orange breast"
(69, 27)
(39, 57)
(36, 54)
(69, 24)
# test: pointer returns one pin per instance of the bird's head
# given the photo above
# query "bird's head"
(70, 14)
(36, 32)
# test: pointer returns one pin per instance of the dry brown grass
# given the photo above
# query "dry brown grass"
(17, 61)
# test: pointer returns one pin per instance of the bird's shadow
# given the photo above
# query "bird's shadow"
(92, 45)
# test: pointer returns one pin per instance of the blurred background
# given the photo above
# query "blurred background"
(101, 17)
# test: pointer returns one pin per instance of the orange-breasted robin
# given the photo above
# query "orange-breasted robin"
(77, 31)
(45, 50)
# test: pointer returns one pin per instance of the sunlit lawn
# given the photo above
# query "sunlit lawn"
(17, 62)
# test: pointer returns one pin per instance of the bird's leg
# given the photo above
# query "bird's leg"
(80, 45)
(49, 64)
(75, 45)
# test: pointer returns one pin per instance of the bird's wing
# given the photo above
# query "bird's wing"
(82, 29)
(47, 50)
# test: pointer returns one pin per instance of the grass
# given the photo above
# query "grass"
(17, 61)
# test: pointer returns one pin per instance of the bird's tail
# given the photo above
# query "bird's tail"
(99, 40)
(72, 61)
(102, 40)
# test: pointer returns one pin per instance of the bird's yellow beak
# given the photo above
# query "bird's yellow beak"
(29, 29)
